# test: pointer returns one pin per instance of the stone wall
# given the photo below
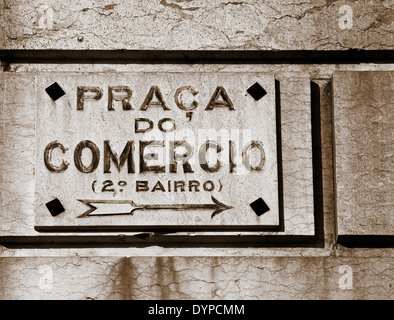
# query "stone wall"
(332, 62)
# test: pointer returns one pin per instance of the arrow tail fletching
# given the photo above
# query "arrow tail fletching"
(108, 208)
(91, 208)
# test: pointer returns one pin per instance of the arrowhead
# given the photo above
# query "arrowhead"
(220, 207)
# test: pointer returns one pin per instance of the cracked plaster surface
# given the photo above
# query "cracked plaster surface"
(364, 152)
(198, 25)
(113, 274)
(196, 278)
(180, 25)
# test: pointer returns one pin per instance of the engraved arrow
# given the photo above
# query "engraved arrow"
(103, 207)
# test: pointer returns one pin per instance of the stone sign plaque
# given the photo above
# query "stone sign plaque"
(125, 151)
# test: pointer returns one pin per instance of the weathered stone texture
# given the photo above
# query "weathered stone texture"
(364, 126)
(359, 158)
(18, 165)
(17, 155)
(197, 278)
(198, 25)
(247, 119)
(295, 109)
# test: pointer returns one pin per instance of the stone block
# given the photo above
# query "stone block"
(364, 124)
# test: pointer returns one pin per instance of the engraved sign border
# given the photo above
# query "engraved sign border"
(93, 228)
